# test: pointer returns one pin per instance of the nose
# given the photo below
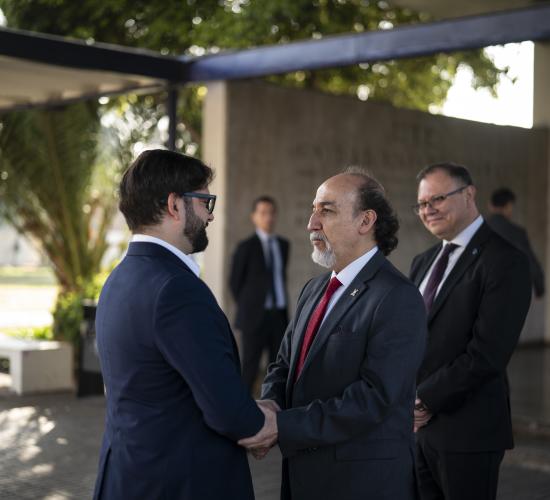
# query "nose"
(429, 210)
(210, 217)
(314, 224)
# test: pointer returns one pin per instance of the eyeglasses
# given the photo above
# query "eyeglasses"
(435, 201)
(211, 199)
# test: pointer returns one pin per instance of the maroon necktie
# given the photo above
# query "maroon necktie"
(437, 275)
(315, 321)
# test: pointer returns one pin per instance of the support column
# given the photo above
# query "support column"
(214, 147)
(541, 118)
(172, 105)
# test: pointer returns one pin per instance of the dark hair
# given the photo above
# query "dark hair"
(371, 196)
(263, 199)
(148, 181)
(459, 172)
(501, 197)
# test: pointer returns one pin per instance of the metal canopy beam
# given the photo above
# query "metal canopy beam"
(398, 43)
(59, 51)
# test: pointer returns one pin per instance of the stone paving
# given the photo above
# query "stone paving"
(49, 448)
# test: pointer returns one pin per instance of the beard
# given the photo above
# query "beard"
(195, 230)
(326, 257)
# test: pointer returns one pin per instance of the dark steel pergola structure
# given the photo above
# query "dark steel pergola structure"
(45, 70)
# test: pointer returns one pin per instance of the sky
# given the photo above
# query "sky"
(514, 105)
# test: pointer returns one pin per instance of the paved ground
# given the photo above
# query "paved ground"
(49, 447)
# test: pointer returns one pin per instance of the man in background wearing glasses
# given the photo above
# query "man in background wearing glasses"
(176, 405)
(476, 290)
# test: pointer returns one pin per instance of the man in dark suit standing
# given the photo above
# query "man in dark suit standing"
(176, 404)
(502, 209)
(258, 284)
(344, 376)
(476, 288)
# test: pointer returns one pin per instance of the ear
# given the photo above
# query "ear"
(368, 218)
(174, 206)
(471, 193)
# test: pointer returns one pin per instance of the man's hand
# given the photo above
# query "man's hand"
(260, 444)
(421, 415)
(268, 403)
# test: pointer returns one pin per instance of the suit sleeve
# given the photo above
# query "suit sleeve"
(395, 350)
(238, 270)
(194, 337)
(502, 310)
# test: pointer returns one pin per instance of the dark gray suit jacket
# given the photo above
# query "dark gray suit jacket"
(345, 431)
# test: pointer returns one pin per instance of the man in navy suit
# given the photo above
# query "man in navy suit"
(344, 377)
(176, 405)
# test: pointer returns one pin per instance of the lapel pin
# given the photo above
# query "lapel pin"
(474, 251)
(354, 292)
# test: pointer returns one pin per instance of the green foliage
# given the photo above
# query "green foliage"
(54, 186)
(57, 185)
(68, 312)
(196, 27)
(36, 333)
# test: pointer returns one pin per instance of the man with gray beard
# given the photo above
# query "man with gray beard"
(344, 377)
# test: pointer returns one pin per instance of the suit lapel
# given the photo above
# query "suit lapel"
(350, 296)
(303, 320)
(259, 250)
(469, 256)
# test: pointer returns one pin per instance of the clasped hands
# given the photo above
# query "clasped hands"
(421, 415)
(260, 444)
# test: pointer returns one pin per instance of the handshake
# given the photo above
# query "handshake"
(260, 444)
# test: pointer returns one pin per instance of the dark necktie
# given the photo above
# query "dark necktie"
(315, 322)
(438, 272)
(271, 268)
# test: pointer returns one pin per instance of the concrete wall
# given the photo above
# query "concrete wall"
(261, 138)
(541, 118)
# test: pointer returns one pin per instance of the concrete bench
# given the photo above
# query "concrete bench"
(38, 365)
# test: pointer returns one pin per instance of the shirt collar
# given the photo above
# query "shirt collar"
(188, 261)
(348, 274)
(463, 238)
(263, 235)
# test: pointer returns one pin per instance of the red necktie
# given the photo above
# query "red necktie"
(315, 322)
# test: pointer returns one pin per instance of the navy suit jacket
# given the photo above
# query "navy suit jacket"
(346, 429)
(175, 402)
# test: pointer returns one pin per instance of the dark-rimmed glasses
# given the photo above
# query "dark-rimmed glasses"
(203, 196)
(435, 201)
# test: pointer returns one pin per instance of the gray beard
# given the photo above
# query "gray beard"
(325, 258)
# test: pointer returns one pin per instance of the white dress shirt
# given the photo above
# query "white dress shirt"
(347, 275)
(188, 261)
(278, 283)
(462, 240)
